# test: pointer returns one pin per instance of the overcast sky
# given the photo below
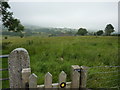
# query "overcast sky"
(90, 15)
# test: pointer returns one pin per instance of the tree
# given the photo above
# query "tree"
(100, 32)
(8, 21)
(109, 29)
(82, 31)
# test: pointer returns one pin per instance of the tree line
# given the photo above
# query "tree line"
(109, 29)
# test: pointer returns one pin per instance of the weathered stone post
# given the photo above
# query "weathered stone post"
(17, 60)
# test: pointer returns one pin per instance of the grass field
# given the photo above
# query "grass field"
(54, 54)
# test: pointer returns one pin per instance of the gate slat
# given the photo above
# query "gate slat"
(76, 79)
(62, 78)
(33, 81)
(48, 80)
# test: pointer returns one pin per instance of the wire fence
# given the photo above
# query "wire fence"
(102, 66)
(106, 72)
(4, 69)
(110, 76)
(113, 76)
(103, 76)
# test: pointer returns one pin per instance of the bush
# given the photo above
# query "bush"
(6, 37)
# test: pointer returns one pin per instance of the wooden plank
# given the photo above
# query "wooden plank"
(55, 85)
(68, 84)
(62, 78)
(48, 80)
(40, 86)
(83, 77)
(33, 81)
(25, 77)
(75, 80)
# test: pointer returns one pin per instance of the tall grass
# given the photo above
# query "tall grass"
(54, 54)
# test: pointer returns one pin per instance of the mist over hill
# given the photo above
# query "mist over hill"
(30, 30)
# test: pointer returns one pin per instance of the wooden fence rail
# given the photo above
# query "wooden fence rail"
(20, 74)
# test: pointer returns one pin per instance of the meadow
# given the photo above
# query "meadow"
(56, 54)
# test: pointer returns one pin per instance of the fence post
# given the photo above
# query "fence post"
(25, 77)
(83, 77)
(75, 76)
(74, 68)
(17, 60)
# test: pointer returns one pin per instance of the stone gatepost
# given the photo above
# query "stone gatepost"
(17, 61)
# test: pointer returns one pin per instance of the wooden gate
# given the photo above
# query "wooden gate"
(20, 74)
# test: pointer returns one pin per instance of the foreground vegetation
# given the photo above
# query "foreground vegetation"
(54, 54)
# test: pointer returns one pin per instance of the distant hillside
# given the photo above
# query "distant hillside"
(37, 30)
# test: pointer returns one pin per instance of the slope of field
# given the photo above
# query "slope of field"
(56, 54)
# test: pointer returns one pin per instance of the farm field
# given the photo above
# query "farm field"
(56, 54)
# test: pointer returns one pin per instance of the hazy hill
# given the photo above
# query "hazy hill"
(37, 30)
